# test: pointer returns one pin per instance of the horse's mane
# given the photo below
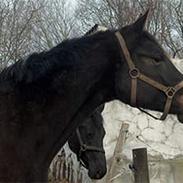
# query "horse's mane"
(66, 55)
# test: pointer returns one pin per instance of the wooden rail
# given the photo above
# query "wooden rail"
(140, 164)
(117, 156)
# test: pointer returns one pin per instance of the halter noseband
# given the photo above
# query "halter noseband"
(84, 147)
(135, 74)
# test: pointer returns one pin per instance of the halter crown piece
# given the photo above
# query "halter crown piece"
(135, 74)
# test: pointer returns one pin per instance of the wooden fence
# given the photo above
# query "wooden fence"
(140, 163)
(63, 171)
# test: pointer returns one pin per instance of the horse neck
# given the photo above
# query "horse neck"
(91, 74)
(89, 84)
(85, 91)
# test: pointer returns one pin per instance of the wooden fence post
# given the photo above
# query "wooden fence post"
(140, 164)
(118, 151)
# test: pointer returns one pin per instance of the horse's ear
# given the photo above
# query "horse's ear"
(141, 21)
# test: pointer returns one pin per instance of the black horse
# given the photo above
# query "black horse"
(87, 143)
(44, 99)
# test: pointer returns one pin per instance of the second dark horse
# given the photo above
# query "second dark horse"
(87, 143)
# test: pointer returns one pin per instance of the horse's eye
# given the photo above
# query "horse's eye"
(90, 134)
(156, 60)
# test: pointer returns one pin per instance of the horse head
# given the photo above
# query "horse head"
(87, 144)
(145, 76)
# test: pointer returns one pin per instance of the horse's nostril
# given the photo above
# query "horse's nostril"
(98, 175)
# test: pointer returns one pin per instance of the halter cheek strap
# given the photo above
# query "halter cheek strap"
(84, 147)
(135, 74)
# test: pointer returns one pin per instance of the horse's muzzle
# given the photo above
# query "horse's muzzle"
(98, 174)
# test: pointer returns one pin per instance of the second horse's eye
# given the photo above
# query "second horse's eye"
(90, 135)
(156, 60)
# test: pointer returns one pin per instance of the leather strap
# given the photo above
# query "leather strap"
(135, 74)
(84, 147)
(125, 50)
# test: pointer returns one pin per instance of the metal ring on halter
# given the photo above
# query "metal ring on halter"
(171, 92)
(83, 147)
(134, 73)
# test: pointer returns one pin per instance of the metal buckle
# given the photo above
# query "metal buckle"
(170, 92)
(83, 147)
(134, 73)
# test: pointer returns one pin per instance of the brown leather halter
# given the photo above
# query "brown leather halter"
(84, 147)
(135, 74)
